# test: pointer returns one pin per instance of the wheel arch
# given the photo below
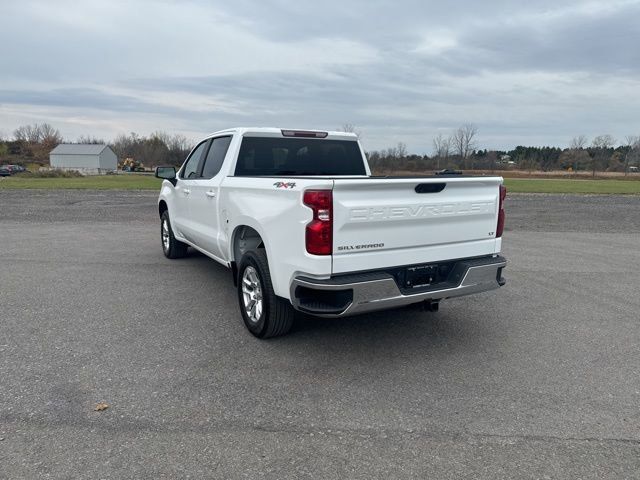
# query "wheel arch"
(245, 238)
(162, 207)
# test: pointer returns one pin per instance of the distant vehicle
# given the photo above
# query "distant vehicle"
(4, 171)
(634, 169)
(15, 168)
(301, 222)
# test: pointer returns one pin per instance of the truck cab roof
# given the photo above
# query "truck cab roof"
(278, 132)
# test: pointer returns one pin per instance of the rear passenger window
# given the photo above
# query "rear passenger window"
(215, 158)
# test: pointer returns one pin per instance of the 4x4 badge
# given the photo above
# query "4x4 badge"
(284, 184)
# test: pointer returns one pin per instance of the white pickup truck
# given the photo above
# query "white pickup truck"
(303, 225)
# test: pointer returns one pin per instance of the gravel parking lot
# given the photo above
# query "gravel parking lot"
(540, 379)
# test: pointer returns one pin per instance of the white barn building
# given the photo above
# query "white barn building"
(85, 158)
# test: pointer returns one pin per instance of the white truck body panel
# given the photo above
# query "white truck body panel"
(280, 218)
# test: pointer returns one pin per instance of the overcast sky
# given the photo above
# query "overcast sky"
(526, 73)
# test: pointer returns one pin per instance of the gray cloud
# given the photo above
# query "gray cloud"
(401, 71)
(602, 41)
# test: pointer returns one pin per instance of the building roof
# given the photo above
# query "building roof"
(78, 149)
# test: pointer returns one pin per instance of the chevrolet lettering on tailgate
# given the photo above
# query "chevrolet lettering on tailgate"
(420, 211)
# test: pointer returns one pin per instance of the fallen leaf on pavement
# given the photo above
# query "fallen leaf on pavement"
(101, 406)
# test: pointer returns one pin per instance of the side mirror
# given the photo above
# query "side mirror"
(167, 173)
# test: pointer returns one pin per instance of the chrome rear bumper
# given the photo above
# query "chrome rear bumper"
(365, 292)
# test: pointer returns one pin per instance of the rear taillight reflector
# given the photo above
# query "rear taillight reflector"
(304, 134)
(319, 232)
(500, 227)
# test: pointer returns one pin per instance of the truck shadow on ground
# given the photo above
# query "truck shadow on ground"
(406, 331)
(460, 324)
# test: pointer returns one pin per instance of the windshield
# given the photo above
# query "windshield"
(267, 156)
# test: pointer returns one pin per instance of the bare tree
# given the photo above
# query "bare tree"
(350, 128)
(441, 148)
(27, 133)
(3, 146)
(603, 141)
(164, 137)
(389, 159)
(463, 142)
(179, 142)
(633, 151)
(575, 152)
(157, 149)
(50, 137)
(123, 145)
(88, 139)
(600, 155)
(179, 146)
(578, 143)
(38, 133)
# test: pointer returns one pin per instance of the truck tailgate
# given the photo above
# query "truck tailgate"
(380, 223)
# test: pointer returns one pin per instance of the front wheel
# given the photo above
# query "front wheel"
(265, 314)
(171, 247)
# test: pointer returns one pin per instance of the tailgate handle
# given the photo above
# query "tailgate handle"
(430, 187)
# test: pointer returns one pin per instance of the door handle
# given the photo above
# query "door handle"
(210, 194)
(186, 192)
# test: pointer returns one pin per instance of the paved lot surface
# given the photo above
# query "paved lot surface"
(538, 380)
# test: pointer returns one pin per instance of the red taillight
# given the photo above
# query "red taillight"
(319, 234)
(500, 227)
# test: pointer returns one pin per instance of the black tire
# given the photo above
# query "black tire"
(277, 313)
(173, 248)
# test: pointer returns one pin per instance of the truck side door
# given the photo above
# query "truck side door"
(204, 199)
(181, 219)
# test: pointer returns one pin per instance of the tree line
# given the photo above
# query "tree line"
(458, 150)
(33, 143)
(159, 148)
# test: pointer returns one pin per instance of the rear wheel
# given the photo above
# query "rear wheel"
(171, 247)
(265, 314)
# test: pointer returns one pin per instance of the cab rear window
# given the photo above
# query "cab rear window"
(267, 156)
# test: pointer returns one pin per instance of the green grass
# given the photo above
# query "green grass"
(101, 182)
(147, 182)
(543, 185)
